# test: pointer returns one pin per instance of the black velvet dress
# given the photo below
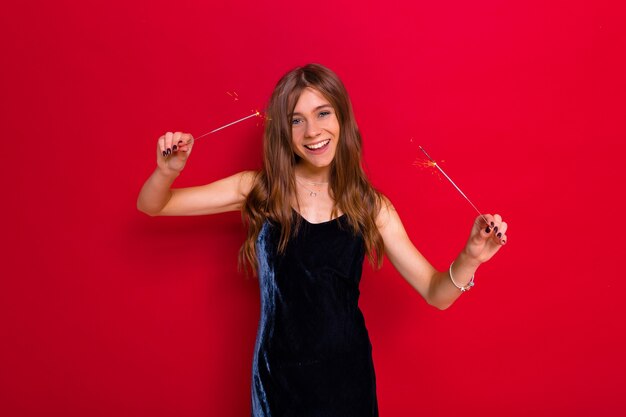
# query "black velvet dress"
(313, 355)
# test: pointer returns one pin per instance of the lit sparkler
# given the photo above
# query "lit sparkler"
(434, 164)
(255, 114)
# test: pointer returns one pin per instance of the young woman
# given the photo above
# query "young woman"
(313, 216)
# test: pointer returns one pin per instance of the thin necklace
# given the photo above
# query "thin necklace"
(311, 192)
(311, 182)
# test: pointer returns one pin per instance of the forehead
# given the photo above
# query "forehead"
(310, 99)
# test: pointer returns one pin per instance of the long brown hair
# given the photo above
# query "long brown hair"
(274, 185)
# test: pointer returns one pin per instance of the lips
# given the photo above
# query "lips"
(318, 145)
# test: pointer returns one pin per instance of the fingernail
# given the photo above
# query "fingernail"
(164, 153)
(488, 230)
(180, 141)
(174, 147)
(499, 235)
(169, 151)
(495, 229)
(491, 224)
(503, 242)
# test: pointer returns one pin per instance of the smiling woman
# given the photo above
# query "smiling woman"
(312, 217)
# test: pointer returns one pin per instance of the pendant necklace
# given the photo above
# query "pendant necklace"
(311, 192)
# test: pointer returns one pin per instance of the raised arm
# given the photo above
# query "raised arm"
(157, 198)
(434, 286)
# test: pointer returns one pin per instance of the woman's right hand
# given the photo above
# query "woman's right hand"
(173, 149)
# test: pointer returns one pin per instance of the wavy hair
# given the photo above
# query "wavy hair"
(274, 185)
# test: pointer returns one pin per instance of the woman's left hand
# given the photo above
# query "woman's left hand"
(486, 239)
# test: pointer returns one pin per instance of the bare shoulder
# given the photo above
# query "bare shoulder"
(246, 179)
(389, 223)
(386, 213)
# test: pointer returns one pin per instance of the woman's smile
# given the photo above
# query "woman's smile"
(318, 146)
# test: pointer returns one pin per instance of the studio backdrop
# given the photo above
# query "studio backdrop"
(105, 311)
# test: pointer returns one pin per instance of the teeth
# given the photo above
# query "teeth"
(318, 145)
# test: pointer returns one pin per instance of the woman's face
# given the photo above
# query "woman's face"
(314, 129)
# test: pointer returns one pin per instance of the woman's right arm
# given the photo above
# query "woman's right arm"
(156, 197)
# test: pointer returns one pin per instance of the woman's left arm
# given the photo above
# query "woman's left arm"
(437, 287)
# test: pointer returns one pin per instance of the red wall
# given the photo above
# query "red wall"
(105, 311)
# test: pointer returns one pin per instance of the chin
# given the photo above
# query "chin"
(317, 163)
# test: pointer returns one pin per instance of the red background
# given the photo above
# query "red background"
(105, 311)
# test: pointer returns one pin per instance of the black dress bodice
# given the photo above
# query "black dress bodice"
(313, 354)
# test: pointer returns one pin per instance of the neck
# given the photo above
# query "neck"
(313, 174)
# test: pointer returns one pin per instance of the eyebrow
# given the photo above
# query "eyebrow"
(314, 110)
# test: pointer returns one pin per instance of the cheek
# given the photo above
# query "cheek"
(336, 128)
(296, 135)
(295, 141)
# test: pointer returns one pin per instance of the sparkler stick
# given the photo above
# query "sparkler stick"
(256, 113)
(452, 182)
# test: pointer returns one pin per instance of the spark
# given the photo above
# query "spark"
(425, 164)
(263, 117)
(234, 95)
(434, 164)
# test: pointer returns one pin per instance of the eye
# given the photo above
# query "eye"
(295, 122)
(324, 113)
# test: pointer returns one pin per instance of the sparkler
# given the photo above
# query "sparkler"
(256, 113)
(434, 164)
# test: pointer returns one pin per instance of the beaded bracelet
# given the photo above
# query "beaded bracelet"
(465, 288)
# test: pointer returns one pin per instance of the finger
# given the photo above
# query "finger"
(480, 220)
(501, 232)
(486, 232)
(487, 228)
(161, 146)
(497, 227)
(503, 239)
(482, 228)
(186, 142)
(175, 140)
(169, 136)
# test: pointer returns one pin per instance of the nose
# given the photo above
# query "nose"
(312, 129)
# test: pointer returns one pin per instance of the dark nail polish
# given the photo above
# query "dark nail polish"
(492, 224)
(164, 153)
(488, 230)
(495, 229)
(174, 147)
(503, 242)
(169, 151)
(499, 235)
(180, 141)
